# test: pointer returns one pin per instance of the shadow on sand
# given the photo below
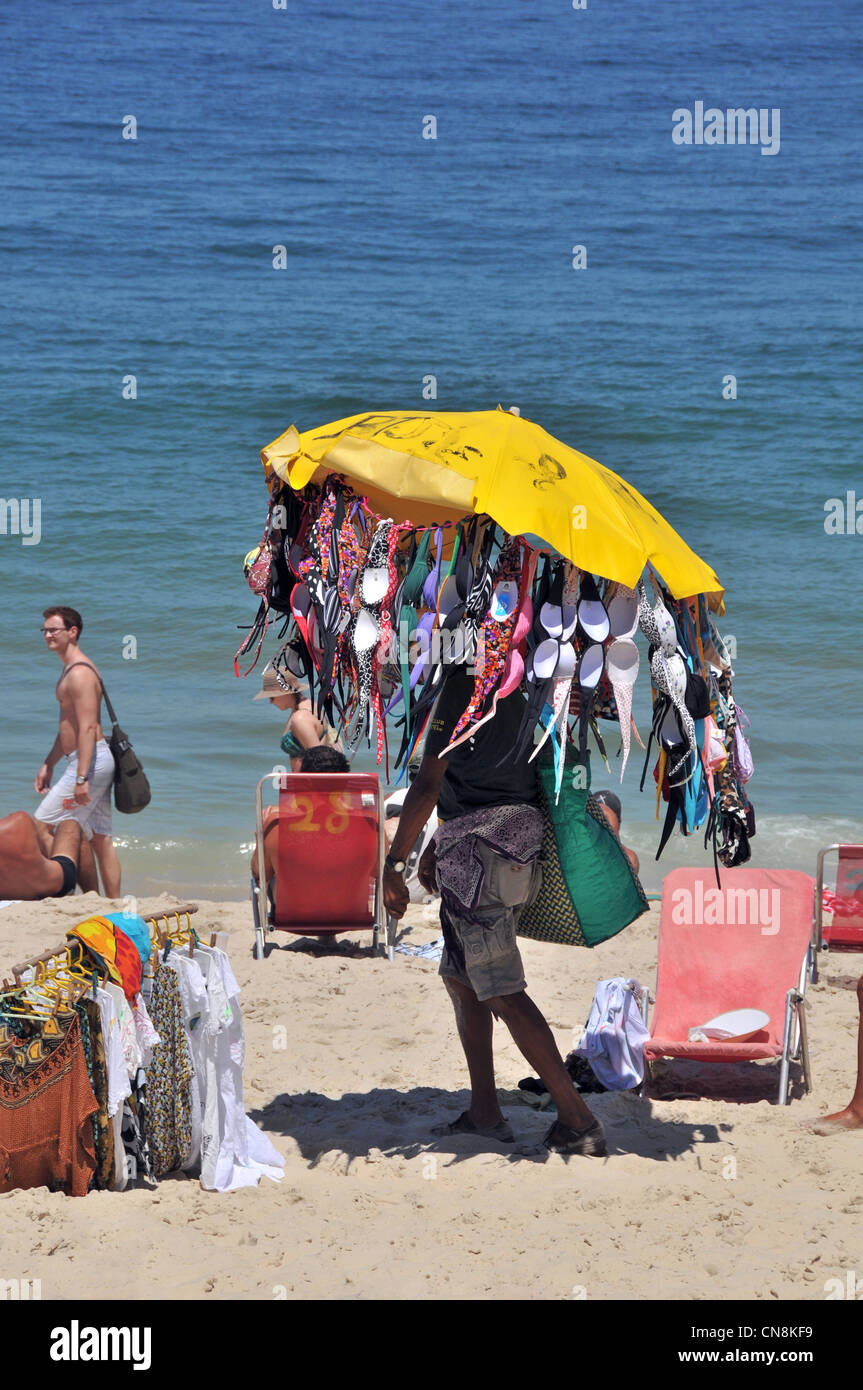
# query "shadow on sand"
(387, 1124)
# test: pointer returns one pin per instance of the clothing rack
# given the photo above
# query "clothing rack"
(160, 930)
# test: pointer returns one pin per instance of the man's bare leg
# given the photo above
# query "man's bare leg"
(534, 1039)
(109, 864)
(88, 879)
(475, 1027)
(271, 840)
(45, 836)
(852, 1116)
(66, 841)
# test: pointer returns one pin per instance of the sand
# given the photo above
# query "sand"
(351, 1059)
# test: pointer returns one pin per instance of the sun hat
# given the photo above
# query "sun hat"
(272, 685)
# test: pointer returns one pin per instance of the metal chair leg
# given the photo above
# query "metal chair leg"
(786, 1048)
(258, 948)
(804, 1044)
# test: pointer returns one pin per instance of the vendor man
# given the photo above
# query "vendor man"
(484, 861)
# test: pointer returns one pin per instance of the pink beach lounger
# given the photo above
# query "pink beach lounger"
(742, 946)
(845, 932)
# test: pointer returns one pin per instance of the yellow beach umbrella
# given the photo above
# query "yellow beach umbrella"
(445, 465)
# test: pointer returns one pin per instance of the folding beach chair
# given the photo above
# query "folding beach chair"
(845, 932)
(329, 857)
(742, 946)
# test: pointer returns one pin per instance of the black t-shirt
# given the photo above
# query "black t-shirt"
(473, 777)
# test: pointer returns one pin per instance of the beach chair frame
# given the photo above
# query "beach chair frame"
(795, 1038)
(818, 942)
(262, 912)
(795, 1041)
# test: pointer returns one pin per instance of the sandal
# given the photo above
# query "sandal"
(589, 1142)
(502, 1131)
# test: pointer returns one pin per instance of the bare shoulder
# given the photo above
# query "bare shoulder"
(306, 727)
(19, 829)
(80, 683)
(82, 677)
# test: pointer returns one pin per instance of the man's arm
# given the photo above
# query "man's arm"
(416, 809)
(422, 796)
(418, 806)
(42, 780)
(86, 698)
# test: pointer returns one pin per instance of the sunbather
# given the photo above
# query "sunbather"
(28, 869)
(852, 1116)
(613, 812)
(322, 758)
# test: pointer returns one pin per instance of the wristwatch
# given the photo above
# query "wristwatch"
(398, 866)
(79, 781)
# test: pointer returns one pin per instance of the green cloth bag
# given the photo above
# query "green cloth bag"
(589, 889)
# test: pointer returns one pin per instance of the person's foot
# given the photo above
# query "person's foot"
(834, 1124)
(502, 1131)
(589, 1142)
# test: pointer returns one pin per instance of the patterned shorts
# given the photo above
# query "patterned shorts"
(492, 960)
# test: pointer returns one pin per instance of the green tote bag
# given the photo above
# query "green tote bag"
(589, 889)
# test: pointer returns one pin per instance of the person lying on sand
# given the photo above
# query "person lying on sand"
(852, 1116)
(322, 758)
(27, 868)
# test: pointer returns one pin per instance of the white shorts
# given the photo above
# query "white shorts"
(95, 817)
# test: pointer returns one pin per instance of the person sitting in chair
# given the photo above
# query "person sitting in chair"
(322, 758)
(613, 811)
(28, 871)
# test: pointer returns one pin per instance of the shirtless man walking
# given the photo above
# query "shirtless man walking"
(83, 793)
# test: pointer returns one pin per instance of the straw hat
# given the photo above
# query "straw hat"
(273, 685)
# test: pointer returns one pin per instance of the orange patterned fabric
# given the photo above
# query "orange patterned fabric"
(46, 1137)
(97, 933)
(128, 964)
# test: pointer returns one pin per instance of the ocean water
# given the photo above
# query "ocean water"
(302, 127)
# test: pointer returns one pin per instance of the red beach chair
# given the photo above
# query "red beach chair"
(845, 932)
(329, 859)
(744, 946)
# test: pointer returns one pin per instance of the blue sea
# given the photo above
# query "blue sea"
(151, 258)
